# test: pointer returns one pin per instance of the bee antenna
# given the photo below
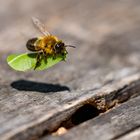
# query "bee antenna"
(70, 46)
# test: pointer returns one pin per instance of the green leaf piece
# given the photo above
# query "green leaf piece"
(27, 61)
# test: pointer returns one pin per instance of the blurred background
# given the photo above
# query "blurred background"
(106, 34)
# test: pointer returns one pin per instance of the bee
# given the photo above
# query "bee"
(46, 45)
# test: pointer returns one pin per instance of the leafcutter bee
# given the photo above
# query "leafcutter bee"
(47, 45)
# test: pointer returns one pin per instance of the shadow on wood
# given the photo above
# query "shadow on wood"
(25, 85)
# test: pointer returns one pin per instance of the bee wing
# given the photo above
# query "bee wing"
(40, 26)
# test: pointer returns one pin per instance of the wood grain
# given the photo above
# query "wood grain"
(135, 135)
(111, 125)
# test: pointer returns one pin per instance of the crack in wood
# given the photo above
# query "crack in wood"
(126, 133)
(97, 103)
(92, 107)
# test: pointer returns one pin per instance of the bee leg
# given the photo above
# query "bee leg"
(45, 56)
(64, 54)
(54, 56)
(38, 60)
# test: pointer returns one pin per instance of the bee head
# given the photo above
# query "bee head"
(59, 47)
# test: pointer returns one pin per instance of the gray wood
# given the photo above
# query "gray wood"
(111, 125)
(135, 135)
(25, 110)
(103, 70)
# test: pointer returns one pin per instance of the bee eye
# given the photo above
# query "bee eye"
(57, 46)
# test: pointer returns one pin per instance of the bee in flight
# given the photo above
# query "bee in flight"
(46, 45)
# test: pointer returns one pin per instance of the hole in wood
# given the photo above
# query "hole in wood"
(84, 113)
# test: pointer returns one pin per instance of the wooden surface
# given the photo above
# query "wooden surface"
(111, 125)
(95, 94)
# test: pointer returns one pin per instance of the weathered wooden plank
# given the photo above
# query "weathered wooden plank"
(109, 125)
(135, 135)
(46, 112)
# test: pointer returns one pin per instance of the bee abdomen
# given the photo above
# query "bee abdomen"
(31, 44)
